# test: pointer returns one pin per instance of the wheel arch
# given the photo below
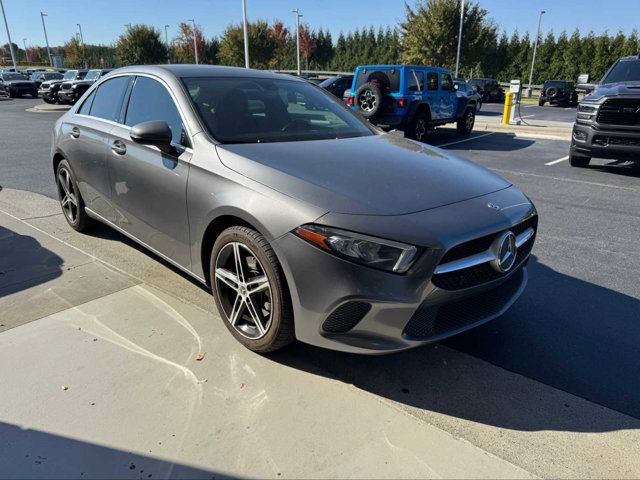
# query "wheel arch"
(463, 104)
(418, 107)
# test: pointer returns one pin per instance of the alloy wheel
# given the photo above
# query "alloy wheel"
(367, 101)
(470, 120)
(68, 197)
(420, 129)
(244, 290)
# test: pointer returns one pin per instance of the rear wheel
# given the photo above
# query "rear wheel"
(541, 103)
(249, 290)
(577, 160)
(71, 200)
(466, 122)
(369, 99)
(417, 128)
(46, 100)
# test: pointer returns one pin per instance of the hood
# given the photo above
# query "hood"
(23, 83)
(373, 175)
(613, 89)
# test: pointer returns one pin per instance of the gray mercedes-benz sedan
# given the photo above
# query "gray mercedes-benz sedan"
(305, 221)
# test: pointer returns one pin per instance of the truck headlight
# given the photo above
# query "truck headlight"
(370, 251)
(590, 109)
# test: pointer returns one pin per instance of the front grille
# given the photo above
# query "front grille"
(45, 86)
(438, 321)
(65, 86)
(620, 111)
(345, 317)
(605, 141)
(483, 273)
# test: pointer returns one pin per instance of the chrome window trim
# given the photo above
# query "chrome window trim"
(482, 257)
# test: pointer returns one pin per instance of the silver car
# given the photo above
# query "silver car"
(306, 222)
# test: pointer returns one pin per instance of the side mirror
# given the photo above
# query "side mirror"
(156, 133)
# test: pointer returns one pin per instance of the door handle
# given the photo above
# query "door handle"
(119, 147)
(75, 132)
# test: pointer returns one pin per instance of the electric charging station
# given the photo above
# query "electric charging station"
(512, 104)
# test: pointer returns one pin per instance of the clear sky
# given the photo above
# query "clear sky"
(103, 20)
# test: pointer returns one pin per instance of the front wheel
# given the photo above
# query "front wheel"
(541, 103)
(250, 291)
(466, 122)
(577, 160)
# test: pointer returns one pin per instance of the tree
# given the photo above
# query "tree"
(141, 44)
(308, 42)
(282, 39)
(183, 49)
(324, 50)
(430, 32)
(571, 57)
(262, 45)
(73, 53)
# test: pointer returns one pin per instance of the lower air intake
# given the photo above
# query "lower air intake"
(345, 317)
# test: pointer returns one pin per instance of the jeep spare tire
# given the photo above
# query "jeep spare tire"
(551, 92)
(369, 99)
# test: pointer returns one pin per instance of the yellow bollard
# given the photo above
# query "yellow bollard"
(508, 104)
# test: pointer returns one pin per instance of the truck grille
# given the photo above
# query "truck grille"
(605, 141)
(65, 86)
(620, 111)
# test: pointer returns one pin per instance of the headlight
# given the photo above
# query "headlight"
(370, 251)
(585, 108)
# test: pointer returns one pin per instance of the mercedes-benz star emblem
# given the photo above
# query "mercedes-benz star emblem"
(505, 250)
(494, 206)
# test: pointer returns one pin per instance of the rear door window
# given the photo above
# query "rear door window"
(108, 99)
(86, 105)
(432, 81)
(416, 81)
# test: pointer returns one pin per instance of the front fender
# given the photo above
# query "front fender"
(463, 103)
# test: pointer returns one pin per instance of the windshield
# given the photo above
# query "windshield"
(254, 110)
(624, 71)
(52, 76)
(477, 82)
(92, 75)
(70, 75)
(12, 76)
(326, 83)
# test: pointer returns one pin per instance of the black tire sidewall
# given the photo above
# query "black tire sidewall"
(410, 132)
(279, 295)
(377, 91)
(83, 221)
(462, 122)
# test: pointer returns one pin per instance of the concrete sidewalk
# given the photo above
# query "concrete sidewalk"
(528, 127)
(100, 378)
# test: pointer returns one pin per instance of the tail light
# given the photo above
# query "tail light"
(402, 102)
(350, 101)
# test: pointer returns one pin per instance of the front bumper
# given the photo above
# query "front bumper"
(67, 96)
(606, 143)
(48, 94)
(23, 90)
(344, 306)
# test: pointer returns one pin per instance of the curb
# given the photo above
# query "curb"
(562, 133)
(45, 107)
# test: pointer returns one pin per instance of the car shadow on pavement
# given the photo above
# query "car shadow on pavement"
(554, 334)
(618, 167)
(24, 263)
(26, 453)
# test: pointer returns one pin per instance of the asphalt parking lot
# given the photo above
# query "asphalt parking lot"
(549, 386)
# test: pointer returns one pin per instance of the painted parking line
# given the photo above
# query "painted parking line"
(558, 160)
(465, 140)
(528, 116)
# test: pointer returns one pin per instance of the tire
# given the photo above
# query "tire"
(72, 208)
(541, 103)
(257, 260)
(466, 122)
(577, 160)
(369, 100)
(46, 100)
(417, 129)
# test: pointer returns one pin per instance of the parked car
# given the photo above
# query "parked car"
(608, 120)
(303, 219)
(488, 88)
(558, 92)
(39, 77)
(463, 89)
(70, 92)
(17, 85)
(49, 89)
(4, 93)
(337, 85)
(410, 98)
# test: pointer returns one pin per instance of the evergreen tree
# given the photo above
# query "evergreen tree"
(571, 56)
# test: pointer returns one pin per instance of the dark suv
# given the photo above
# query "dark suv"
(488, 88)
(337, 85)
(410, 98)
(558, 92)
(608, 120)
(49, 89)
(70, 92)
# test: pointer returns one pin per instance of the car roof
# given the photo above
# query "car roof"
(182, 71)
(400, 66)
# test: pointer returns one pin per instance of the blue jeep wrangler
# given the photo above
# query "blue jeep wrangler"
(410, 98)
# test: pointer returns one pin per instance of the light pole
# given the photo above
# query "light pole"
(535, 47)
(81, 37)
(6, 25)
(246, 34)
(195, 44)
(298, 15)
(459, 38)
(26, 54)
(46, 39)
(166, 40)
